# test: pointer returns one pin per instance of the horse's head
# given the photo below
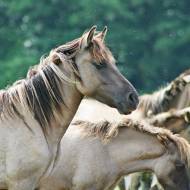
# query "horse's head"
(98, 75)
(178, 91)
(171, 169)
(173, 96)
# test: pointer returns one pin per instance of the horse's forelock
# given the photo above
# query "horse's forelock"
(100, 52)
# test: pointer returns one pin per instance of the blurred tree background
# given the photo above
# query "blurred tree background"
(150, 39)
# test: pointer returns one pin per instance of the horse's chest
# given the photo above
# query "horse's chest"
(22, 153)
(2, 169)
(3, 147)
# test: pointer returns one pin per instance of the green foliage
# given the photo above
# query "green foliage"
(150, 39)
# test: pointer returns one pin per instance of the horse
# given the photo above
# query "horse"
(172, 96)
(167, 107)
(35, 112)
(160, 101)
(94, 156)
(176, 121)
(151, 107)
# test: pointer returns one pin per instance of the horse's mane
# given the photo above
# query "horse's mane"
(153, 103)
(185, 73)
(106, 130)
(40, 92)
(103, 129)
(159, 100)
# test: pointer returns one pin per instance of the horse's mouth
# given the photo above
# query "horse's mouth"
(125, 112)
(125, 109)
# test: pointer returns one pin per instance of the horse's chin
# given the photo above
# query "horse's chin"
(121, 107)
(124, 112)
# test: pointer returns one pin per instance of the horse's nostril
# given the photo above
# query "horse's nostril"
(130, 97)
(133, 99)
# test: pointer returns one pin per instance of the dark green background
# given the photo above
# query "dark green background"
(149, 38)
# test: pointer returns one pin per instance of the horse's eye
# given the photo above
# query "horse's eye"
(99, 65)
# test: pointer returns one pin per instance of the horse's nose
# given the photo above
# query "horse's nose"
(133, 100)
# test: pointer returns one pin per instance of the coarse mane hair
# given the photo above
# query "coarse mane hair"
(159, 101)
(41, 95)
(41, 91)
(106, 130)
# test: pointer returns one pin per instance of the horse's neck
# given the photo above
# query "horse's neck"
(133, 150)
(72, 98)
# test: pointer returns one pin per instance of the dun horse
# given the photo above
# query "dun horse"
(174, 120)
(169, 97)
(171, 110)
(159, 101)
(173, 96)
(94, 156)
(162, 109)
(35, 112)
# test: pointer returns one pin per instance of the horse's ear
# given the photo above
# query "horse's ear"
(102, 34)
(56, 59)
(91, 34)
(88, 37)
